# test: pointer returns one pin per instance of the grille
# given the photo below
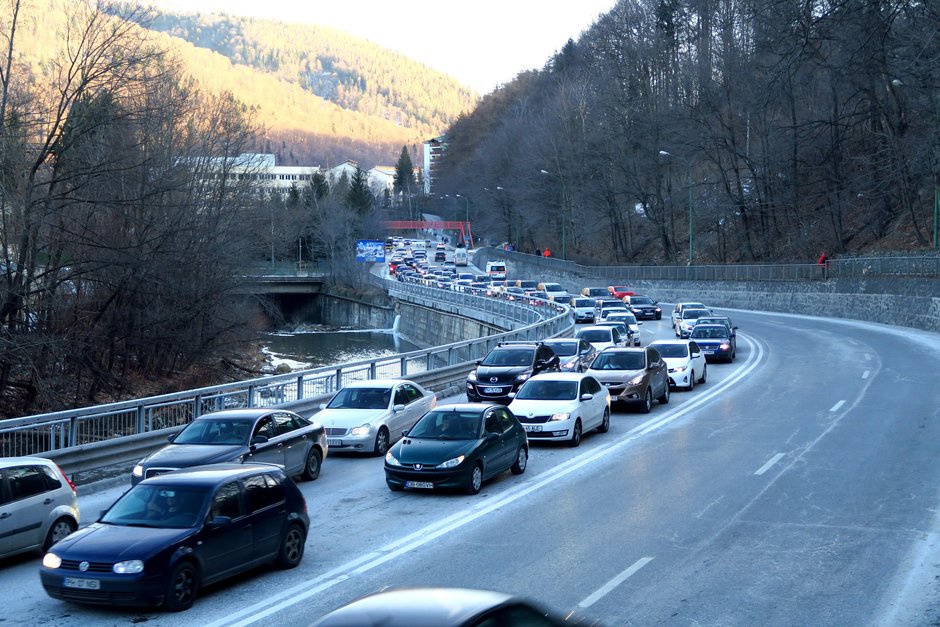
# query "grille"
(99, 596)
(532, 420)
(334, 431)
(93, 567)
(153, 472)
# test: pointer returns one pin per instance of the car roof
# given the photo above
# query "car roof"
(415, 607)
(376, 383)
(244, 412)
(661, 342)
(210, 474)
(464, 407)
(624, 349)
(711, 326)
(558, 376)
(593, 327)
(10, 462)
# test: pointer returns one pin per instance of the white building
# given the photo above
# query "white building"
(433, 150)
(333, 175)
(261, 168)
(381, 179)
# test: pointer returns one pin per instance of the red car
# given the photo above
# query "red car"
(619, 291)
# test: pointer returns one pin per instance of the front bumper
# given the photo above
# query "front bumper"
(476, 392)
(130, 590)
(439, 479)
(681, 379)
(624, 393)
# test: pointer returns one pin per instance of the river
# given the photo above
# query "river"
(313, 348)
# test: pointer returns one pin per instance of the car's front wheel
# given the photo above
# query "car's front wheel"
(605, 422)
(647, 405)
(182, 587)
(59, 530)
(381, 442)
(312, 465)
(475, 480)
(664, 399)
(575, 434)
(704, 373)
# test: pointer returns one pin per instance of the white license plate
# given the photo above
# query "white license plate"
(84, 584)
(334, 442)
(708, 352)
(492, 390)
(427, 485)
(533, 427)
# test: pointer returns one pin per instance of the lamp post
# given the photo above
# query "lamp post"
(689, 165)
(564, 213)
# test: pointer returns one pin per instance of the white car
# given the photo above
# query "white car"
(369, 416)
(555, 291)
(583, 309)
(631, 321)
(685, 360)
(561, 406)
(687, 320)
(601, 337)
(39, 505)
(677, 312)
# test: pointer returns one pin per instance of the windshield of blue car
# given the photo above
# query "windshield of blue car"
(510, 357)
(447, 425)
(564, 349)
(158, 506)
(543, 390)
(220, 431)
(361, 398)
(619, 361)
(715, 332)
(673, 350)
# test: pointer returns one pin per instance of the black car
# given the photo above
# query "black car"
(268, 435)
(644, 307)
(458, 447)
(574, 354)
(170, 535)
(506, 367)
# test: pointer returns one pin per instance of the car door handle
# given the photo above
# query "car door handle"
(280, 445)
(47, 501)
(4, 515)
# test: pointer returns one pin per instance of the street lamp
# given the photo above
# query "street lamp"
(564, 214)
(688, 163)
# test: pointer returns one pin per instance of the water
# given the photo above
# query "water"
(302, 350)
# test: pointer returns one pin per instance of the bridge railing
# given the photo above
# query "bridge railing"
(46, 433)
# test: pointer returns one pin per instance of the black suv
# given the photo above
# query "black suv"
(507, 367)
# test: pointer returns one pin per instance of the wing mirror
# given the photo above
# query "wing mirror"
(586, 397)
(170, 438)
(322, 405)
(491, 437)
(218, 522)
(259, 439)
(398, 408)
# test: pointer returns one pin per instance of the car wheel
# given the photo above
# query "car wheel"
(292, 547)
(182, 587)
(61, 528)
(312, 465)
(522, 460)
(381, 442)
(692, 380)
(664, 399)
(704, 373)
(575, 434)
(605, 422)
(475, 480)
(647, 405)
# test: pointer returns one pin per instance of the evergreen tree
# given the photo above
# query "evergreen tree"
(404, 173)
(359, 197)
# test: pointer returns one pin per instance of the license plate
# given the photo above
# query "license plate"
(492, 390)
(708, 352)
(533, 427)
(334, 442)
(84, 584)
(427, 485)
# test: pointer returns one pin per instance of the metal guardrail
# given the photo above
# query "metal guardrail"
(47, 433)
(912, 266)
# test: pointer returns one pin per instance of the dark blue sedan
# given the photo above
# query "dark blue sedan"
(170, 535)
(715, 340)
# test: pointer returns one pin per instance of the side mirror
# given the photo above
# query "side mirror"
(490, 436)
(478, 362)
(638, 323)
(696, 354)
(322, 405)
(218, 522)
(398, 408)
(734, 328)
(586, 397)
(511, 395)
(170, 438)
(259, 439)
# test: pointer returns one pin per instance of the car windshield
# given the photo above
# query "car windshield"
(448, 425)
(361, 398)
(620, 324)
(692, 314)
(158, 506)
(216, 431)
(553, 287)
(619, 361)
(582, 302)
(673, 350)
(596, 335)
(711, 332)
(564, 349)
(543, 390)
(510, 357)
(628, 318)
(641, 300)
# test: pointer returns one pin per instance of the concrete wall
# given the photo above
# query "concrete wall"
(344, 311)
(426, 327)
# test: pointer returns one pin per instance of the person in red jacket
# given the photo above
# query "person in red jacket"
(547, 252)
(823, 263)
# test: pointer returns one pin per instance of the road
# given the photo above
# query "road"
(797, 486)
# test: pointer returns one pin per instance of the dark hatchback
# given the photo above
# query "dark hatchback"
(168, 536)
(458, 447)
(267, 435)
(507, 367)
(716, 341)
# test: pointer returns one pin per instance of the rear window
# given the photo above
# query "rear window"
(673, 350)
(583, 302)
(641, 300)
(692, 314)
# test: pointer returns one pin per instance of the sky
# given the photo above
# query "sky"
(482, 43)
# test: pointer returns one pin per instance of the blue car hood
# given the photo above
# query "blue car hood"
(100, 542)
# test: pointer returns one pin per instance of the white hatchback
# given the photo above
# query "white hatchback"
(601, 337)
(562, 406)
(685, 360)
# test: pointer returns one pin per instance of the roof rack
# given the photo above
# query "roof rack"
(514, 342)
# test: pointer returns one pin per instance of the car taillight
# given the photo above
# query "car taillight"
(64, 476)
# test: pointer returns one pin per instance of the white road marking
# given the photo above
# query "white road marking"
(295, 594)
(616, 581)
(865, 374)
(773, 460)
(837, 406)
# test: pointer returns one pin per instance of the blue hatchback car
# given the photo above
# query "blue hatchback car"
(170, 535)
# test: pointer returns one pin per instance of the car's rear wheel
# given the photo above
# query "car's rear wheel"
(292, 547)
(605, 422)
(182, 587)
(664, 399)
(522, 460)
(575, 434)
(475, 480)
(381, 442)
(312, 465)
(647, 405)
(59, 530)
(704, 373)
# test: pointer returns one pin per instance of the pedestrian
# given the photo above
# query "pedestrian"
(547, 253)
(823, 263)
(537, 253)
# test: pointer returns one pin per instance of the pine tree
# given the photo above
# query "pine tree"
(404, 174)
(359, 197)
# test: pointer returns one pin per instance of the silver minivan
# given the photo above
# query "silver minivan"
(38, 505)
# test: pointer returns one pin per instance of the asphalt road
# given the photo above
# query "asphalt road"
(798, 486)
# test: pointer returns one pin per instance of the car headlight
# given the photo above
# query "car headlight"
(361, 430)
(681, 369)
(562, 416)
(472, 376)
(128, 567)
(138, 471)
(658, 310)
(635, 310)
(725, 346)
(523, 376)
(637, 380)
(51, 560)
(391, 460)
(450, 463)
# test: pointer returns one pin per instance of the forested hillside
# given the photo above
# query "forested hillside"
(732, 130)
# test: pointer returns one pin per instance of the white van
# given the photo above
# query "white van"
(461, 258)
(496, 269)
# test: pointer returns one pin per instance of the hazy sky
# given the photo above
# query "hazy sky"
(480, 42)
